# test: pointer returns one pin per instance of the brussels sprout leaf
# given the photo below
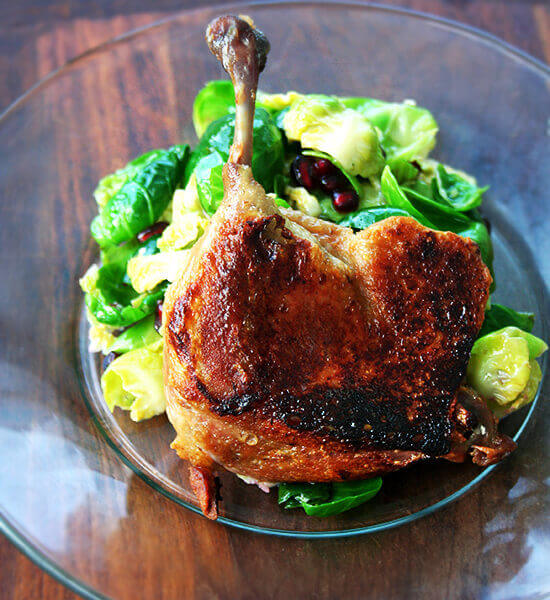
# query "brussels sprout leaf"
(323, 500)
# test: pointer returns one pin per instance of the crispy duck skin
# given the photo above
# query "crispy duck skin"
(298, 350)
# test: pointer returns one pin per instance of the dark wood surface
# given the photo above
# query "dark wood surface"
(39, 36)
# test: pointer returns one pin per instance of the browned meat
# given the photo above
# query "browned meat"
(204, 487)
(474, 429)
(297, 350)
(314, 354)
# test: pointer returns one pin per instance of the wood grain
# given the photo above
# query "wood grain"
(37, 37)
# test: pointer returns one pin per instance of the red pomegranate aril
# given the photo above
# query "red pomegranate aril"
(322, 166)
(148, 233)
(345, 201)
(301, 169)
(158, 315)
(331, 183)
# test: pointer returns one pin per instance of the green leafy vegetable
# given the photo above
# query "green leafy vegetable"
(280, 183)
(141, 334)
(407, 131)
(328, 212)
(209, 174)
(111, 184)
(370, 197)
(279, 118)
(291, 495)
(362, 219)
(121, 255)
(215, 100)
(396, 198)
(109, 296)
(281, 202)
(323, 123)
(212, 152)
(146, 272)
(142, 198)
(499, 316)
(418, 188)
(445, 218)
(134, 382)
(323, 500)
(116, 303)
(503, 369)
(456, 191)
(403, 170)
(189, 221)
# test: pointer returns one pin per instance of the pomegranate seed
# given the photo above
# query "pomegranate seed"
(345, 201)
(301, 169)
(158, 315)
(322, 166)
(331, 183)
(148, 233)
(109, 359)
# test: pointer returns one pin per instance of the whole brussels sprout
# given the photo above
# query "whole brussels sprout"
(503, 369)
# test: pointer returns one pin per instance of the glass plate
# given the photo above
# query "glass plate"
(69, 474)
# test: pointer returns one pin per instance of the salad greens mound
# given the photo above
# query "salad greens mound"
(353, 161)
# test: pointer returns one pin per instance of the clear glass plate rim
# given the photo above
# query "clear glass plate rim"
(11, 531)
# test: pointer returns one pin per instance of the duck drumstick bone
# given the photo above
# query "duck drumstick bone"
(242, 50)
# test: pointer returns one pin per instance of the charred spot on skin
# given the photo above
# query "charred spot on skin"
(265, 236)
(428, 246)
(356, 416)
(231, 405)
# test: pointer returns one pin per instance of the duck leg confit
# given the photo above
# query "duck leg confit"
(298, 350)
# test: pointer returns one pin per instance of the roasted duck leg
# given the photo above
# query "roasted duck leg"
(298, 350)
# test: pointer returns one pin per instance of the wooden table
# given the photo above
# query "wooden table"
(37, 36)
